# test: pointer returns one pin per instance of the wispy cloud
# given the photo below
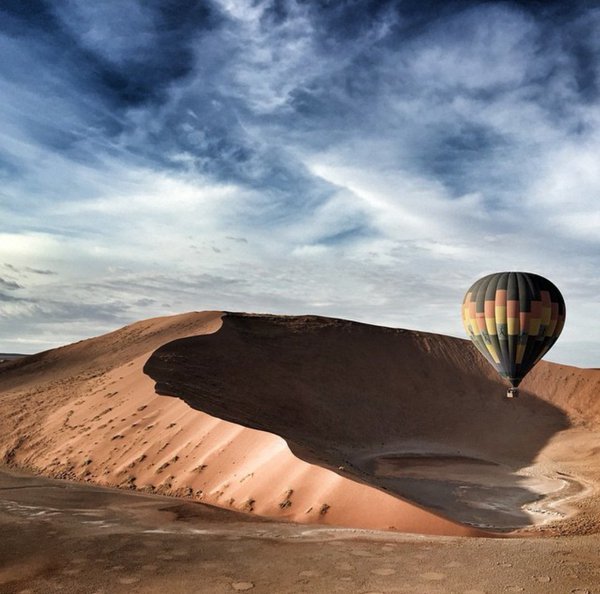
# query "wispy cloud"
(9, 285)
(366, 160)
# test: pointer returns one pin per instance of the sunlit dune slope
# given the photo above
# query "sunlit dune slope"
(370, 414)
(422, 416)
(87, 412)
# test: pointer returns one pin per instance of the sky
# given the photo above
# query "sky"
(356, 159)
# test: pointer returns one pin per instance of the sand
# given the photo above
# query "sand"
(63, 537)
(311, 420)
(420, 416)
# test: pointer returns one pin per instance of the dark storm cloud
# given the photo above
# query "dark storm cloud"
(104, 78)
(84, 66)
(161, 82)
(127, 54)
(457, 153)
(547, 59)
(344, 131)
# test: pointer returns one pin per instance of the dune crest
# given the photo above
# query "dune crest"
(258, 383)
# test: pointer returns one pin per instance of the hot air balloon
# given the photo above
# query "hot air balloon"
(513, 318)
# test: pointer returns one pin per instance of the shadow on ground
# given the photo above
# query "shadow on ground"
(416, 414)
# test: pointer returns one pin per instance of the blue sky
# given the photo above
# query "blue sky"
(365, 160)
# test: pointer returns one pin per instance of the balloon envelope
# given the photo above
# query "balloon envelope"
(513, 318)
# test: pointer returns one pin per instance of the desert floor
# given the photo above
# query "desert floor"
(59, 536)
(243, 443)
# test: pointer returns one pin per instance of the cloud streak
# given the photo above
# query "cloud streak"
(366, 160)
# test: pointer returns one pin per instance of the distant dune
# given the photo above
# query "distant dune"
(313, 420)
(10, 357)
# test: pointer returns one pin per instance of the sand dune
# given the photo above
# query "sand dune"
(312, 420)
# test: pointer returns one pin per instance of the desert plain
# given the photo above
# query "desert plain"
(223, 452)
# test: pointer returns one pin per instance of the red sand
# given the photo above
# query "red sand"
(346, 397)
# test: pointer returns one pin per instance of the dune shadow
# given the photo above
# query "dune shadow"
(414, 414)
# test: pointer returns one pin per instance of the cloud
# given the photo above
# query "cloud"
(9, 285)
(359, 159)
(36, 271)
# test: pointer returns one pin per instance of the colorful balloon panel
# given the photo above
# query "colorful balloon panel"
(513, 318)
